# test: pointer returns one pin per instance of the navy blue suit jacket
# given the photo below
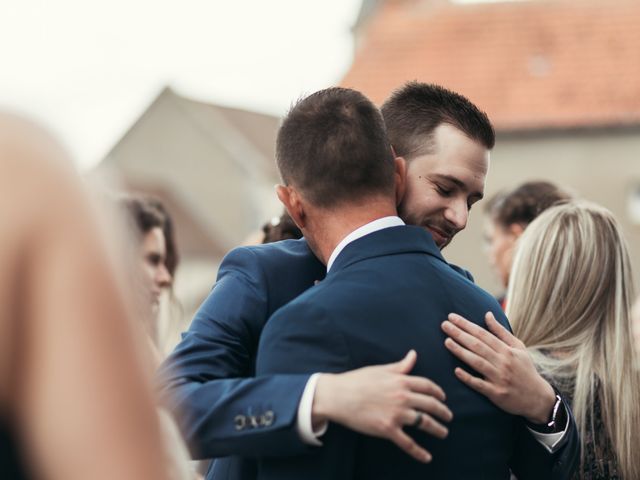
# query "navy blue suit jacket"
(208, 380)
(389, 292)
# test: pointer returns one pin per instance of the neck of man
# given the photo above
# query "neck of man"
(328, 227)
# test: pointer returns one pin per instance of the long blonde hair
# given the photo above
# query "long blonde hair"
(570, 299)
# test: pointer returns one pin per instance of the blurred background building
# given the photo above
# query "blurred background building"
(213, 168)
(560, 80)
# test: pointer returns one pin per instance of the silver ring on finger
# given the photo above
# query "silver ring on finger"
(418, 420)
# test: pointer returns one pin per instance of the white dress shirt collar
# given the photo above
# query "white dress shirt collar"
(379, 224)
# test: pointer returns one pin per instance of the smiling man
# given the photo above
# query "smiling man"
(445, 140)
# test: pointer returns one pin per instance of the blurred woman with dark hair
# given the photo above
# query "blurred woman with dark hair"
(158, 254)
(508, 214)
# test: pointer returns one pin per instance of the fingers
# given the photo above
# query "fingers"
(476, 331)
(409, 445)
(428, 404)
(471, 342)
(500, 331)
(425, 386)
(478, 384)
(470, 358)
(427, 423)
(406, 364)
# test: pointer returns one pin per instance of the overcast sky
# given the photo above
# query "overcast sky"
(88, 69)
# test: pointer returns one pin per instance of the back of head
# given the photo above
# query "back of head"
(570, 298)
(413, 112)
(523, 204)
(332, 146)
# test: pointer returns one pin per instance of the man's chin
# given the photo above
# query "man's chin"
(440, 240)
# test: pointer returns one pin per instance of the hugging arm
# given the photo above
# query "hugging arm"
(208, 380)
(376, 400)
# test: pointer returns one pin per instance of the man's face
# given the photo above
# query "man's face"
(443, 185)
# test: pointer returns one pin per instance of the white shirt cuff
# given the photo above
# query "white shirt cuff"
(304, 426)
(550, 440)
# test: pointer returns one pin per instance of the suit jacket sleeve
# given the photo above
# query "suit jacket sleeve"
(207, 381)
(299, 338)
(532, 461)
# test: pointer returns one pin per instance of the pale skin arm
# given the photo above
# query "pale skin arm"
(509, 377)
(380, 401)
(83, 403)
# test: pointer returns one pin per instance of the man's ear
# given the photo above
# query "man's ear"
(400, 178)
(291, 200)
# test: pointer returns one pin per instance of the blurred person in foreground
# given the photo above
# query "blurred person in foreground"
(209, 378)
(75, 402)
(508, 214)
(570, 298)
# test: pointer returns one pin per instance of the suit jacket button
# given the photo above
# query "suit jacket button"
(253, 421)
(268, 418)
(240, 422)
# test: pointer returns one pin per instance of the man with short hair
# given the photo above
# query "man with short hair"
(225, 412)
(445, 140)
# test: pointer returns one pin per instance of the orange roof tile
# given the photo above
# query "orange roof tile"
(529, 65)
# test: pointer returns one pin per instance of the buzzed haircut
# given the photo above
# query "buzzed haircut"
(413, 112)
(333, 147)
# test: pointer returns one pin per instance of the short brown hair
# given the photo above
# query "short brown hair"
(415, 110)
(333, 146)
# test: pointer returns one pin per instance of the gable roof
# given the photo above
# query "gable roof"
(529, 65)
(206, 160)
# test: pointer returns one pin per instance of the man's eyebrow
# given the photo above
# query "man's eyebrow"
(458, 183)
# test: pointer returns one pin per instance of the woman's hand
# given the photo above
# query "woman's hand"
(509, 377)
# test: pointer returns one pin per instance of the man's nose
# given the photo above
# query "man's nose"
(457, 214)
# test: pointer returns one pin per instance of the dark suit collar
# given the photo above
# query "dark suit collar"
(388, 241)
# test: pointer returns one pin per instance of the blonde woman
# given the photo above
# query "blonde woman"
(570, 299)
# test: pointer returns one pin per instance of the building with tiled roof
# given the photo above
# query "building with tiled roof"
(529, 65)
(560, 80)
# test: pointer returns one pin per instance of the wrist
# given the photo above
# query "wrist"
(323, 399)
(542, 409)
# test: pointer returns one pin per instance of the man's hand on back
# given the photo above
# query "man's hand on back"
(380, 401)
